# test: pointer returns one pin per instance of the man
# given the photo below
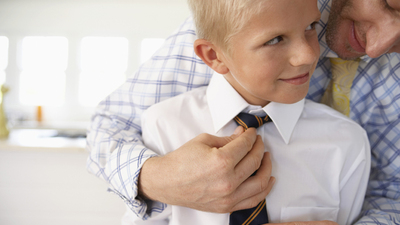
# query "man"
(356, 28)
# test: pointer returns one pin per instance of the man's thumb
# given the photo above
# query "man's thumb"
(238, 131)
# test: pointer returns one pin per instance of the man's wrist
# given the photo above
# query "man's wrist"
(147, 179)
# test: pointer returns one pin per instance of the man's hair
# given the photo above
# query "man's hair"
(219, 20)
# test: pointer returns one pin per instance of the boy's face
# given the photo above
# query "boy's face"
(274, 56)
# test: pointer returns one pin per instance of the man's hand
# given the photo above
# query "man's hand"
(324, 222)
(211, 173)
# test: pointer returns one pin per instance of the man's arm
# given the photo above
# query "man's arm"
(174, 178)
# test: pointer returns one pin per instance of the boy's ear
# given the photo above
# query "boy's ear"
(210, 55)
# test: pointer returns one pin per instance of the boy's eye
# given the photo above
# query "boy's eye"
(312, 26)
(274, 41)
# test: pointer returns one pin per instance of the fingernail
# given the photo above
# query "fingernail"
(238, 130)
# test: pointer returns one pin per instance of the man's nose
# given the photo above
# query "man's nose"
(383, 38)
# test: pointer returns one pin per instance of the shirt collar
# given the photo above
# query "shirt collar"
(225, 103)
(285, 117)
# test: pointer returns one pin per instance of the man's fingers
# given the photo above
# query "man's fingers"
(218, 158)
(254, 200)
(218, 142)
(235, 146)
(238, 131)
(257, 187)
(238, 148)
(252, 161)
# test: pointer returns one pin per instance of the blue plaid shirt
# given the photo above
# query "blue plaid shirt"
(117, 153)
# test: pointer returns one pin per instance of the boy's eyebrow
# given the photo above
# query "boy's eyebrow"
(267, 35)
(271, 33)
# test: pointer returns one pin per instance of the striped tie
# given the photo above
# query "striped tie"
(257, 215)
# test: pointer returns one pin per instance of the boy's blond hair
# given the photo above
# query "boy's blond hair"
(219, 20)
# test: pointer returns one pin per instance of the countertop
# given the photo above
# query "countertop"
(44, 140)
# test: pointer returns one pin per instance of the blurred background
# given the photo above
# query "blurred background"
(58, 59)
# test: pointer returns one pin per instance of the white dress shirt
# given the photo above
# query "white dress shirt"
(320, 158)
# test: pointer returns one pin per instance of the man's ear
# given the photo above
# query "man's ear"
(210, 55)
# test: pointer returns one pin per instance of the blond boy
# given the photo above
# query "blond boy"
(264, 53)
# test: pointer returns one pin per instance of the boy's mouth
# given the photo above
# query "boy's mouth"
(298, 80)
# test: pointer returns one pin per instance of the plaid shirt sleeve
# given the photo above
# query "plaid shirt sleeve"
(114, 138)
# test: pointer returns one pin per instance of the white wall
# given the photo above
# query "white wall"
(75, 19)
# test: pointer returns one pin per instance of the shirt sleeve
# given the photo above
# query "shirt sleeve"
(114, 137)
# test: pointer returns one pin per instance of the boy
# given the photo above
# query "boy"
(263, 53)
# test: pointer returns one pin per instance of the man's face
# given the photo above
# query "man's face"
(359, 27)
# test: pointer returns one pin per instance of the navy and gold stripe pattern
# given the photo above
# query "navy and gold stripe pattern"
(257, 215)
(247, 120)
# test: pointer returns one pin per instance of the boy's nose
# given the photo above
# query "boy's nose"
(383, 38)
(304, 54)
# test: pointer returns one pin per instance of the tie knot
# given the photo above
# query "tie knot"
(247, 120)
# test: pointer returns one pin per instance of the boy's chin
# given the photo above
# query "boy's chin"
(294, 99)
